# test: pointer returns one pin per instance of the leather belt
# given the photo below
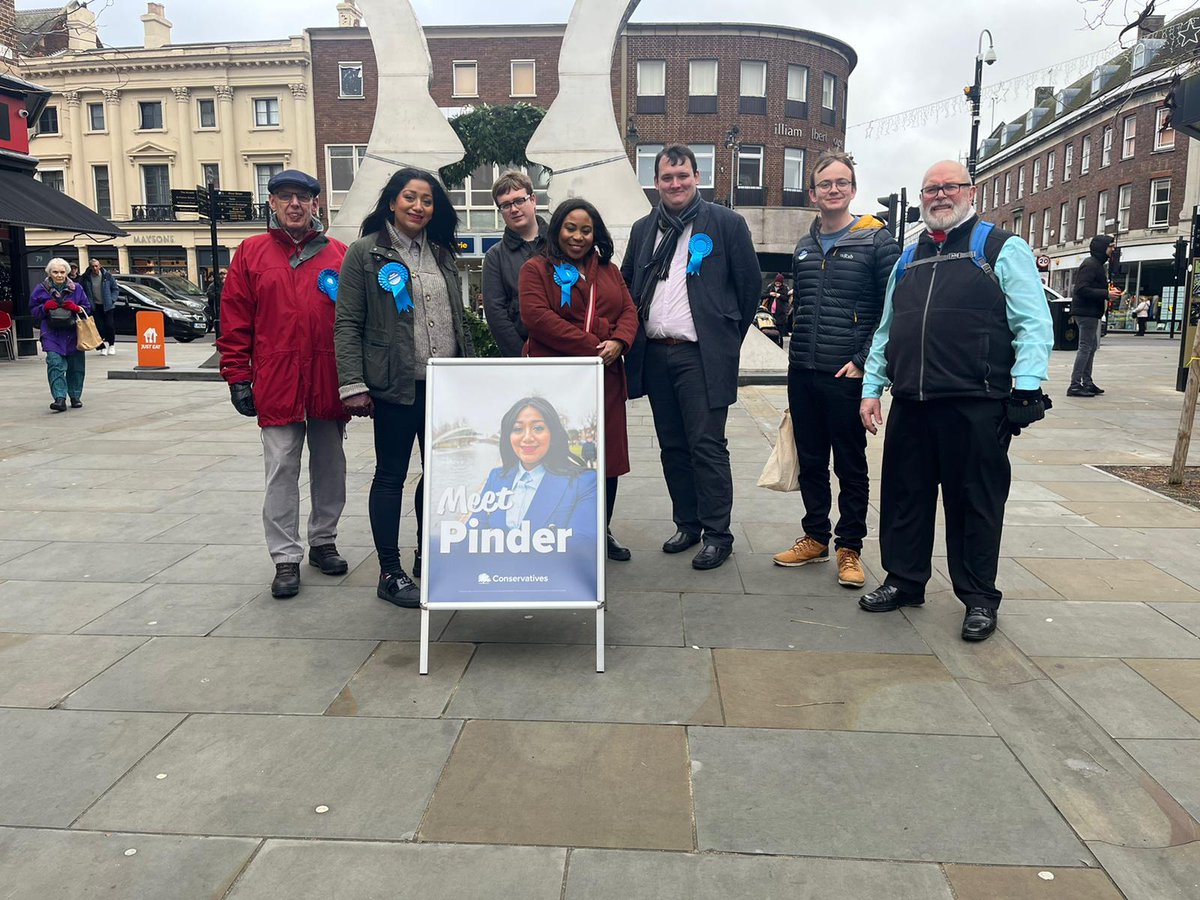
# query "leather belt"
(670, 342)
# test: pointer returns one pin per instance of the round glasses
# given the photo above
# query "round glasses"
(842, 184)
(950, 190)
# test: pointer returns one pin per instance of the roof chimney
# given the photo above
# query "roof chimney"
(158, 29)
(1042, 95)
(1151, 24)
(81, 27)
(348, 15)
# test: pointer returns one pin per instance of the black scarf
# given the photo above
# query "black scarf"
(672, 227)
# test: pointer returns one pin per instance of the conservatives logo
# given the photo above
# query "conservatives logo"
(485, 578)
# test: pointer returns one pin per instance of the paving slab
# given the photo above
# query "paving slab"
(56, 763)
(1173, 765)
(1185, 614)
(621, 874)
(572, 784)
(249, 564)
(13, 549)
(646, 535)
(1179, 679)
(760, 575)
(1055, 541)
(84, 865)
(95, 562)
(1154, 544)
(1110, 491)
(1119, 514)
(266, 776)
(1110, 579)
(843, 692)
(1057, 472)
(174, 609)
(673, 573)
(1016, 581)
(245, 675)
(388, 683)
(1003, 882)
(41, 669)
(55, 608)
(1166, 873)
(532, 682)
(824, 793)
(366, 871)
(1104, 628)
(57, 525)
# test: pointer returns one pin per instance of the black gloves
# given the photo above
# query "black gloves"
(242, 397)
(1022, 409)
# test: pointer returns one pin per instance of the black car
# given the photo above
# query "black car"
(176, 287)
(180, 321)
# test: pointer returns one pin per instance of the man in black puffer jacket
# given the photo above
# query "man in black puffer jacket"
(840, 272)
(1089, 300)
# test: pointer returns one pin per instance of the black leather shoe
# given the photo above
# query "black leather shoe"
(417, 563)
(398, 588)
(711, 556)
(680, 541)
(979, 623)
(76, 403)
(325, 557)
(887, 597)
(61, 404)
(287, 581)
(1092, 388)
(618, 551)
(1076, 390)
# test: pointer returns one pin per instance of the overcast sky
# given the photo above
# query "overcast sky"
(905, 60)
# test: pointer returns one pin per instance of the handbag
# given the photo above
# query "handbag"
(87, 336)
(782, 471)
(61, 319)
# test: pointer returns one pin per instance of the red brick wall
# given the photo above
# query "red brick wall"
(8, 23)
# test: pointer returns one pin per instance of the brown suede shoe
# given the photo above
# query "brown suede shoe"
(806, 550)
(850, 570)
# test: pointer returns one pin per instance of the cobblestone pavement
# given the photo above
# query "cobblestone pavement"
(167, 729)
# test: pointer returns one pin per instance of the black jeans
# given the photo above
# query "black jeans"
(824, 419)
(396, 425)
(104, 324)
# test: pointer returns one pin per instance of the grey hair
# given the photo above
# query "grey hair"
(58, 261)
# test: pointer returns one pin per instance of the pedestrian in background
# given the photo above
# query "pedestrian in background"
(101, 289)
(1142, 312)
(1089, 303)
(66, 364)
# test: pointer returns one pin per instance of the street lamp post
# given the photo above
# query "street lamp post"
(731, 142)
(981, 57)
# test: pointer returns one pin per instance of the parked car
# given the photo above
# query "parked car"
(177, 288)
(180, 321)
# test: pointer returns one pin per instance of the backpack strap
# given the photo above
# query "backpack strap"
(979, 236)
(906, 257)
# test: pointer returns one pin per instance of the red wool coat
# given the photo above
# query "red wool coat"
(557, 330)
(277, 327)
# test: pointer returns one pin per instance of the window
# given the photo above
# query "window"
(523, 75)
(1129, 136)
(102, 190)
(1164, 137)
(150, 115)
(156, 185)
(1037, 176)
(47, 122)
(1064, 221)
(341, 165)
(983, 194)
(466, 78)
(645, 163)
(210, 175)
(797, 92)
(206, 109)
(473, 198)
(1046, 227)
(1051, 161)
(1124, 198)
(54, 178)
(1106, 147)
(5, 121)
(1032, 228)
(95, 113)
(266, 112)
(651, 86)
(1068, 161)
(996, 192)
(350, 80)
(1085, 155)
(1080, 218)
(1160, 202)
(750, 166)
(1020, 182)
(1101, 211)
(702, 86)
(752, 96)
(706, 157)
(263, 173)
(828, 99)
(1008, 187)
(794, 188)
(1016, 229)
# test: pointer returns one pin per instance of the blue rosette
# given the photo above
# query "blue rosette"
(566, 276)
(700, 247)
(327, 283)
(393, 278)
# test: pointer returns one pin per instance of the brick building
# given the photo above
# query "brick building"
(1096, 158)
(8, 35)
(778, 95)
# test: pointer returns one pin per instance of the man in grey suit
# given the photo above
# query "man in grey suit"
(695, 278)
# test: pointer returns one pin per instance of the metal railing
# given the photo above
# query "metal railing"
(148, 213)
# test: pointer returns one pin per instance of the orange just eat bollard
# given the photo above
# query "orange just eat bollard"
(152, 349)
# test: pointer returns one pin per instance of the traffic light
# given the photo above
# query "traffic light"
(889, 204)
(1114, 263)
(1181, 260)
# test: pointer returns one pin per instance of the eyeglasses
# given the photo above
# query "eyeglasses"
(517, 201)
(950, 190)
(289, 196)
(841, 184)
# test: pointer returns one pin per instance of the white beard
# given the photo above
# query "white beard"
(948, 220)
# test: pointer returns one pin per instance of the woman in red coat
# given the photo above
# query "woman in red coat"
(574, 303)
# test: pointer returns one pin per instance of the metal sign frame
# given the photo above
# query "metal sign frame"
(581, 366)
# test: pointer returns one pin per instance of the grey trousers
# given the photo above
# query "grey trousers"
(1089, 340)
(282, 446)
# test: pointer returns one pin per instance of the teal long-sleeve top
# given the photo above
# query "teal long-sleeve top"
(1028, 317)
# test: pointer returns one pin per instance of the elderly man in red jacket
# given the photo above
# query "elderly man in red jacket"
(276, 346)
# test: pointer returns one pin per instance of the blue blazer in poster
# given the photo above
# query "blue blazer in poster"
(551, 555)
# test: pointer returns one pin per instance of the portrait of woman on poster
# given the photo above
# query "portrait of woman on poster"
(547, 486)
(590, 313)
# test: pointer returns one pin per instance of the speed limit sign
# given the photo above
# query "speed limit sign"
(1043, 263)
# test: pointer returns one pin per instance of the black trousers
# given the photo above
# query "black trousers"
(104, 324)
(1141, 323)
(610, 498)
(824, 419)
(956, 444)
(396, 426)
(691, 438)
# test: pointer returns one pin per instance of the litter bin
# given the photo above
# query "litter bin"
(1066, 332)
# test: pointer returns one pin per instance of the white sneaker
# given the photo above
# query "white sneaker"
(103, 351)
(112, 350)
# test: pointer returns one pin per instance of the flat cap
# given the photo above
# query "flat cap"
(295, 178)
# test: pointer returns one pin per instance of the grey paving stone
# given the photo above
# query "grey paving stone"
(1155, 544)
(174, 609)
(999, 882)
(388, 683)
(646, 535)
(1077, 628)
(1118, 514)
(324, 869)
(621, 874)
(1173, 765)
(1179, 679)
(1057, 472)
(40, 669)
(658, 571)
(56, 608)
(1185, 614)
(1124, 703)
(100, 562)
(825, 793)
(78, 865)
(1015, 580)
(56, 763)
(760, 575)
(266, 775)
(324, 613)
(244, 565)
(1166, 873)
(643, 618)
(91, 499)
(1056, 541)
(1110, 579)
(13, 549)
(77, 526)
(665, 685)
(766, 622)
(248, 675)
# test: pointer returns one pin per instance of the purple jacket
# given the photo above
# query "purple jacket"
(54, 341)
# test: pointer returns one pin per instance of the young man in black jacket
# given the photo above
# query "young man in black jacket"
(1089, 300)
(524, 235)
(839, 275)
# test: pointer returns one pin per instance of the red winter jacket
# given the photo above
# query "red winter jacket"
(277, 327)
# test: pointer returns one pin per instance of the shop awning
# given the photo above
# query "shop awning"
(26, 201)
